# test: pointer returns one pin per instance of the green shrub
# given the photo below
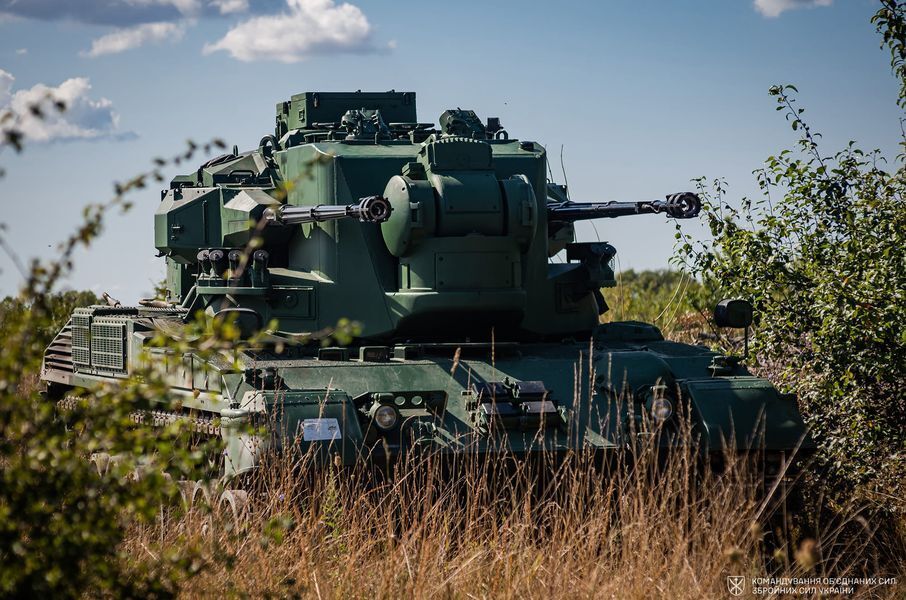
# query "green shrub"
(822, 255)
(61, 522)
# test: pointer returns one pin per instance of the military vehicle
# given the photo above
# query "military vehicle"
(479, 312)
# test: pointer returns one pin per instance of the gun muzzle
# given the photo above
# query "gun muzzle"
(374, 209)
(685, 205)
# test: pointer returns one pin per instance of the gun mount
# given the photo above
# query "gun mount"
(373, 209)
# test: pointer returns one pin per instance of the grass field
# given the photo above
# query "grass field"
(671, 531)
(637, 529)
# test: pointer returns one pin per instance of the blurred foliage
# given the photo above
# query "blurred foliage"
(77, 475)
(11, 130)
(822, 256)
(61, 521)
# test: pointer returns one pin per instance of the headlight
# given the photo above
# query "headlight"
(661, 409)
(385, 417)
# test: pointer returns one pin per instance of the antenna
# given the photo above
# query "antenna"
(563, 169)
(550, 173)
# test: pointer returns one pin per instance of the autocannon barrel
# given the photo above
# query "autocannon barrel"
(678, 206)
(373, 209)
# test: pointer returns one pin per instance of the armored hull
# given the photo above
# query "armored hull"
(623, 384)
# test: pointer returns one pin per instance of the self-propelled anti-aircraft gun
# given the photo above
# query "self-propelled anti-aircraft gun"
(438, 241)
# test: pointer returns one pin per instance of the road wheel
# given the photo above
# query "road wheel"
(101, 462)
(234, 503)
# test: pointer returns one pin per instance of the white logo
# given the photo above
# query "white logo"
(736, 584)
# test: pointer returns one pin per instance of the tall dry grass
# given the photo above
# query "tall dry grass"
(489, 527)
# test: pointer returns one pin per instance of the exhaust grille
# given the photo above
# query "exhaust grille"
(81, 339)
(107, 345)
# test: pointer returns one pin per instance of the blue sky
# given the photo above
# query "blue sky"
(643, 96)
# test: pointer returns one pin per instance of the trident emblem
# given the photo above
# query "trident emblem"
(736, 584)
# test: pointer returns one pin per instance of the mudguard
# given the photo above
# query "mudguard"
(731, 413)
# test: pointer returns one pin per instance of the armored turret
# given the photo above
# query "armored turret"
(451, 226)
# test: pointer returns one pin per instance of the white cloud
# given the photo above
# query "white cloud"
(773, 8)
(6, 87)
(21, 51)
(309, 27)
(84, 117)
(228, 7)
(281, 30)
(183, 6)
(133, 37)
(126, 13)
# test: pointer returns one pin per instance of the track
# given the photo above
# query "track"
(205, 424)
